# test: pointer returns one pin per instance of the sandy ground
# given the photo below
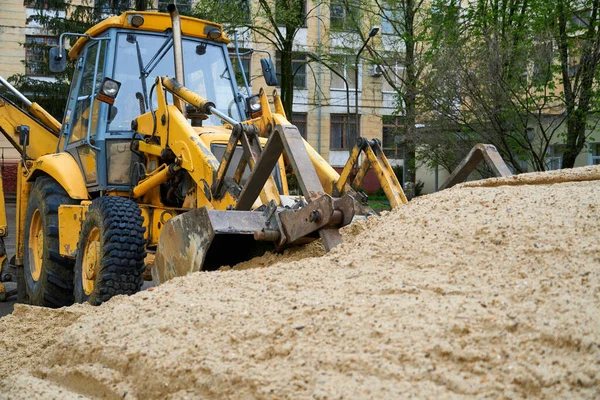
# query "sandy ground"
(486, 292)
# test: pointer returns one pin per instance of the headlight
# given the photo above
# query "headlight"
(109, 90)
(136, 20)
(253, 103)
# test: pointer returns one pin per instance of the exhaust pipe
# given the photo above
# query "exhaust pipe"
(177, 52)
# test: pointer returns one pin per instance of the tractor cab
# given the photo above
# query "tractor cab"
(124, 55)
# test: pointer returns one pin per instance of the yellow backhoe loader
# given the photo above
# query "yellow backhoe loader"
(161, 161)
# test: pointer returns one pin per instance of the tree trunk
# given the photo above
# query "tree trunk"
(141, 5)
(410, 99)
(287, 79)
(577, 99)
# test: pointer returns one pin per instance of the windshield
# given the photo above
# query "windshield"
(205, 67)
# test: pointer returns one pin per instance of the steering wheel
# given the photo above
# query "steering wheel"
(230, 106)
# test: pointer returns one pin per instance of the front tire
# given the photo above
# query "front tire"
(111, 251)
(48, 275)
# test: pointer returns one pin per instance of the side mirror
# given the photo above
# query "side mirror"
(108, 91)
(58, 61)
(23, 131)
(268, 71)
(112, 113)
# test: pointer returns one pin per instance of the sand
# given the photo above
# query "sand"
(468, 293)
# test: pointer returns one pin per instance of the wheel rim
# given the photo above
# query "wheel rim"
(91, 261)
(36, 245)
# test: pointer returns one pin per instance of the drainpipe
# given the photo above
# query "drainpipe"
(320, 71)
(177, 53)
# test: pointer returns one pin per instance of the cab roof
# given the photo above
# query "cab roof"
(153, 22)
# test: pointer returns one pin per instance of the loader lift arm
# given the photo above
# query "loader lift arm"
(376, 159)
(186, 238)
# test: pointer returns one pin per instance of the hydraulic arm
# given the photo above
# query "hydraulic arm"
(17, 125)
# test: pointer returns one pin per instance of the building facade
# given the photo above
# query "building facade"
(324, 100)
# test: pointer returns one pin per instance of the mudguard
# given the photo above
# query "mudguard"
(63, 168)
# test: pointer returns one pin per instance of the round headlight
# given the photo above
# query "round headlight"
(110, 88)
(254, 103)
(137, 20)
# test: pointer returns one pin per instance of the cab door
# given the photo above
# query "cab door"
(84, 127)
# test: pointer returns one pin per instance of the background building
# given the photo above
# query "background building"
(324, 100)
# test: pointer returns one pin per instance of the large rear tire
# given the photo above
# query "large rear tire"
(48, 276)
(111, 251)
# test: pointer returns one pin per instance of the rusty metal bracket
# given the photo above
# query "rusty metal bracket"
(287, 138)
(322, 212)
(247, 135)
(480, 152)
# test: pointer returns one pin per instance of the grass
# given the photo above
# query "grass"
(380, 205)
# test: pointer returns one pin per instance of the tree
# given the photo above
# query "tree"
(506, 72)
(403, 54)
(275, 23)
(578, 38)
(492, 80)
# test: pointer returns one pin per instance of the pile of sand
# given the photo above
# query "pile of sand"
(474, 291)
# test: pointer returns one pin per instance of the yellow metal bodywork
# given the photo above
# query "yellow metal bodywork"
(70, 219)
(157, 177)
(154, 220)
(36, 245)
(383, 170)
(23, 188)
(90, 261)
(153, 22)
(63, 168)
(193, 153)
(45, 117)
(11, 117)
(192, 145)
(389, 183)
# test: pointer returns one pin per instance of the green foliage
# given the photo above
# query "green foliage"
(419, 188)
(52, 96)
(275, 23)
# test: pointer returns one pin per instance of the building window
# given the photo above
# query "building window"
(246, 62)
(391, 136)
(290, 12)
(581, 19)
(554, 156)
(347, 69)
(394, 72)
(299, 119)
(341, 125)
(343, 14)
(36, 4)
(298, 69)
(594, 155)
(36, 51)
(391, 21)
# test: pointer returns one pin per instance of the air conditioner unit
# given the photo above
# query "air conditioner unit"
(376, 70)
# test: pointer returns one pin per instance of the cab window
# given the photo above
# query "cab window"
(87, 108)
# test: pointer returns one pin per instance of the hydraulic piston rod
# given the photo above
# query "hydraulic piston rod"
(205, 106)
(34, 108)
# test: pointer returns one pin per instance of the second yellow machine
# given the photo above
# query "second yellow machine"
(161, 160)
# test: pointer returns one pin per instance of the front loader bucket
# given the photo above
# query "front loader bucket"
(203, 239)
